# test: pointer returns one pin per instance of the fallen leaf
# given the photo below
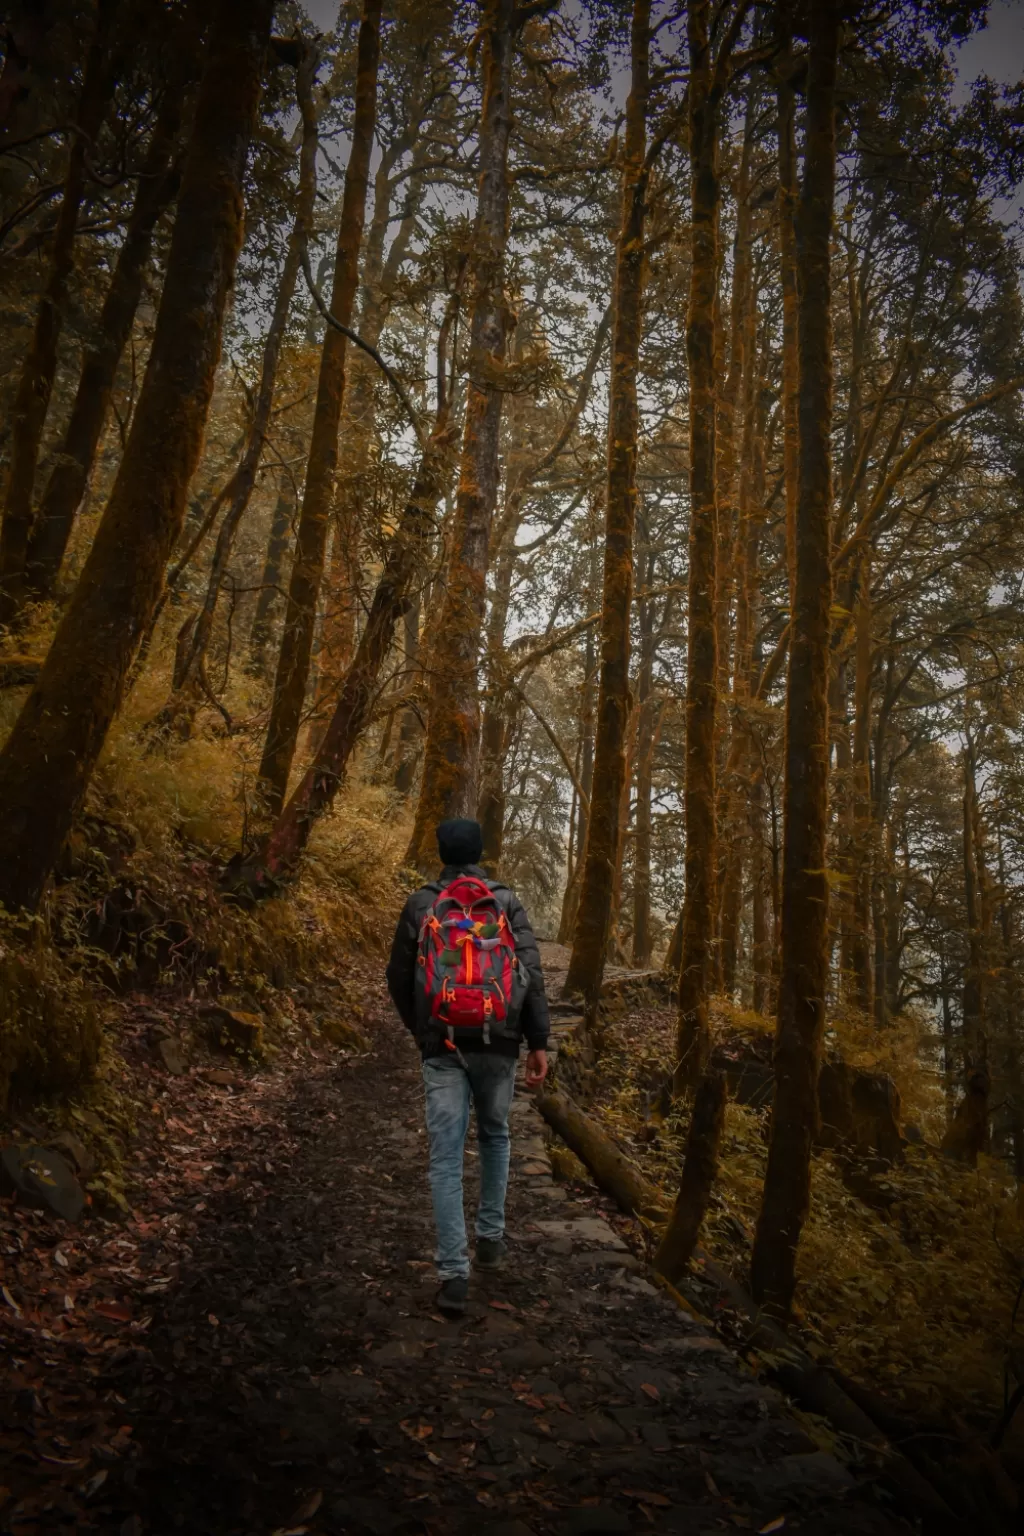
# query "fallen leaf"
(650, 1389)
(773, 1525)
(94, 1484)
(309, 1506)
(10, 1300)
(69, 1303)
(60, 1258)
(502, 1306)
(657, 1499)
(416, 1431)
(712, 1485)
(116, 1311)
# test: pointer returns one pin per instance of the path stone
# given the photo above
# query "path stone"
(583, 1229)
(172, 1055)
(42, 1178)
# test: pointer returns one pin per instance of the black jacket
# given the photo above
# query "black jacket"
(533, 1022)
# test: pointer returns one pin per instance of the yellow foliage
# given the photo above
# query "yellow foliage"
(912, 1294)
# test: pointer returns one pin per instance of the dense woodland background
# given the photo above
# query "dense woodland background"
(604, 421)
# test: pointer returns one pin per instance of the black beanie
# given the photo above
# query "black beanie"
(460, 841)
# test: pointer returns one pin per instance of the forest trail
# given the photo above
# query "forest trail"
(258, 1351)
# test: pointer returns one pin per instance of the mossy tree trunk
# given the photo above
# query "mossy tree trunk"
(804, 961)
(190, 684)
(50, 755)
(270, 585)
(293, 663)
(705, 89)
(35, 385)
(604, 829)
(451, 761)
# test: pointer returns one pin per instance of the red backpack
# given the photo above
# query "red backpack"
(467, 965)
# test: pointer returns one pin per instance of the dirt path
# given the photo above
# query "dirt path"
(266, 1356)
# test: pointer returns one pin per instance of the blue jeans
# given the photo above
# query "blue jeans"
(489, 1081)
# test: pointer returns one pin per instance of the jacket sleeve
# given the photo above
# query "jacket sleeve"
(536, 1019)
(401, 968)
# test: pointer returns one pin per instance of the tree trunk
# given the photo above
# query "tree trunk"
(967, 1136)
(314, 519)
(804, 966)
(612, 1169)
(500, 711)
(157, 186)
(190, 686)
(24, 61)
(451, 762)
(761, 960)
(863, 840)
(270, 584)
(571, 897)
(40, 366)
(647, 730)
(787, 208)
(409, 729)
(604, 831)
(647, 738)
(355, 454)
(694, 1036)
(739, 770)
(49, 757)
(700, 1169)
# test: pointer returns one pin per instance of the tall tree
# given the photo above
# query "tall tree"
(452, 750)
(709, 76)
(314, 519)
(40, 366)
(803, 979)
(614, 702)
(47, 762)
(158, 180)
(190, 682)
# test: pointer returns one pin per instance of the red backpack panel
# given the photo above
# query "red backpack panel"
(467, 962)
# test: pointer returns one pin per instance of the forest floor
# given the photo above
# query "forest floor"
(255, 1347)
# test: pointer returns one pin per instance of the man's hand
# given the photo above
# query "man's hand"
(536, 1068)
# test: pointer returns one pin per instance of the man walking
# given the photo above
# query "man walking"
(466, 978)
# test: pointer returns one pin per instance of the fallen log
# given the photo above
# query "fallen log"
(802, 1378)
(611, 1168)
(700, 1170)
(19, 671)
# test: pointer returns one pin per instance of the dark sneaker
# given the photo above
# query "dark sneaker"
(490, 1252)
(451, 1298)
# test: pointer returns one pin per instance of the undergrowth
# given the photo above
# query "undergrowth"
(913, 1294)
(137, 907)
